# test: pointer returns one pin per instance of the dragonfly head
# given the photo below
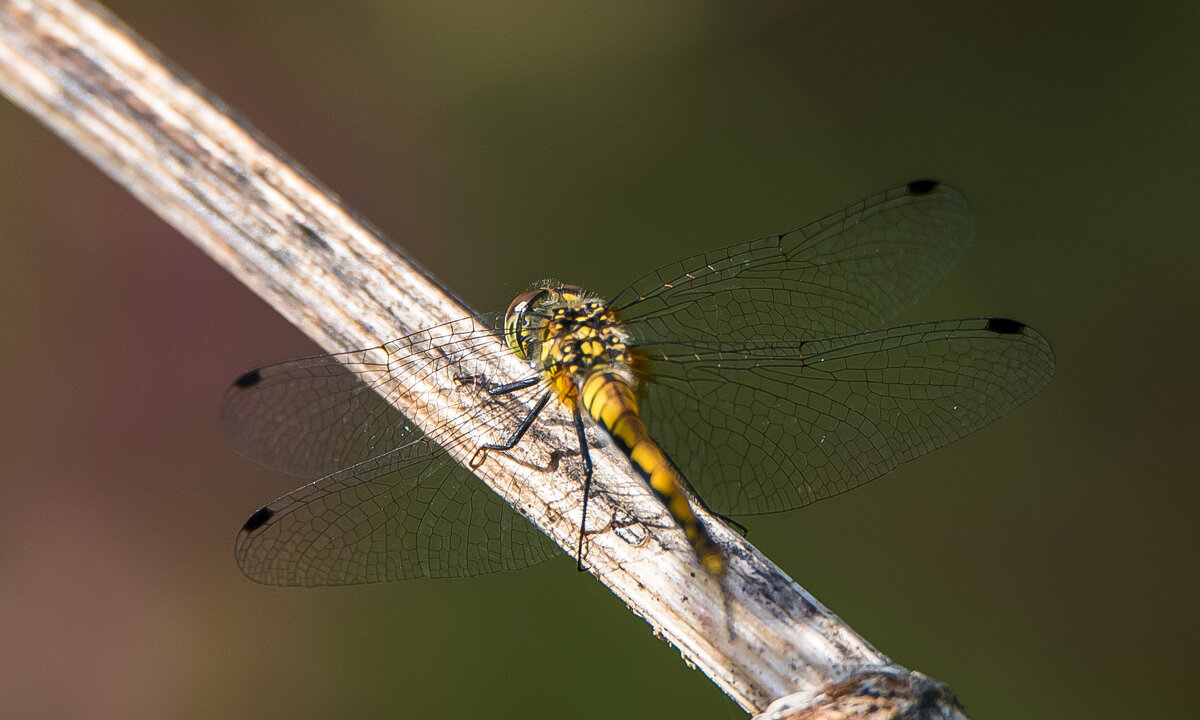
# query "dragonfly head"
(528, 313)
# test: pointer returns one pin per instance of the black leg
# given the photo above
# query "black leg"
(482, 451)
(504, 389)
(513, 386)
(742, 529)
(586, 456)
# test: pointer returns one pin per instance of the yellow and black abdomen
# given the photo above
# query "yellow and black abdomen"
(611, 401)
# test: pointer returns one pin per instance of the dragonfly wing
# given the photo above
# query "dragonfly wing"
(408, 510)
(765, 432)
(311, 417)
(317, 415)
(411, 513)
(854, 270)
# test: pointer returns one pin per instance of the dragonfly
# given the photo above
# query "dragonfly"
(757, 378)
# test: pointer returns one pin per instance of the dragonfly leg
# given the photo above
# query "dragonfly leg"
(498, 389)
(513, 386)
(586, 456)
(742, 529)
(511, 442)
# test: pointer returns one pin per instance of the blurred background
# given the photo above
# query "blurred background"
(1044, 566)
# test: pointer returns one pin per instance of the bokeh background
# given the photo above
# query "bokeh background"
(1045, 566)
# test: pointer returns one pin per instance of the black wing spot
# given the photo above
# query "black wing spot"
(922, 187)
(1004, 326)
(258, 519)
(248, 379)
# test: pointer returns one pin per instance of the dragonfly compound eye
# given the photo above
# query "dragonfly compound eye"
(516, 325)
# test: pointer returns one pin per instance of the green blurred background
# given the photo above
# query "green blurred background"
(1046, 566)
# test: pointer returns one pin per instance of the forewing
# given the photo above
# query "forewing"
(758, 433)
(854, 270)
(318, 415)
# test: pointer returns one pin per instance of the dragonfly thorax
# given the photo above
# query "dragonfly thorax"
(567, 334)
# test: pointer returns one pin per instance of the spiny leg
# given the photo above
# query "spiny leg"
(513, 386)
(482, 451)
(586, 456)
(523, 428)
(498, 389)
(742, 529)
(515, 438)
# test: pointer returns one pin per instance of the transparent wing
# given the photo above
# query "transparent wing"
(762, 432)
(411, 513)
(317, 415)
(854, 270)
(409, 510)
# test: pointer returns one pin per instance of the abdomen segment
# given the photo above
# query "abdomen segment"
(610, 400)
